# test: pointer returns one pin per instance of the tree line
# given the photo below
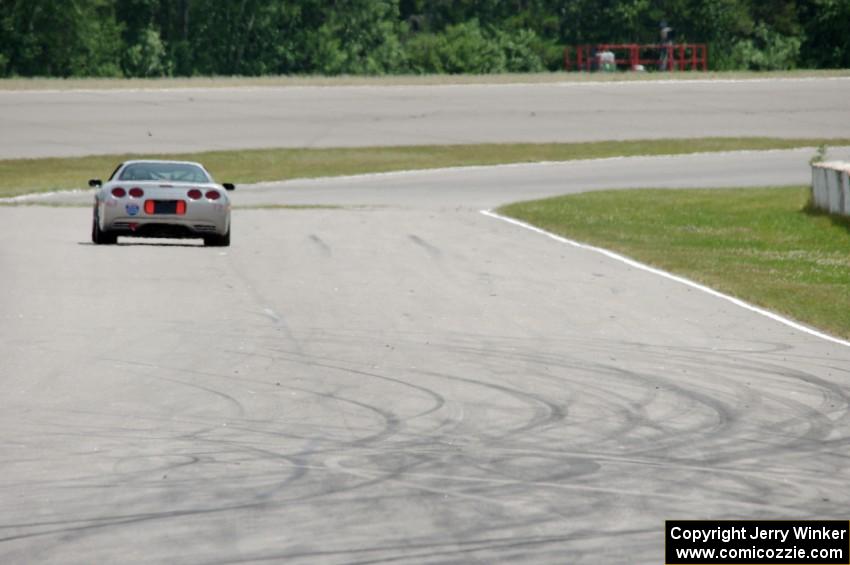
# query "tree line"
(155, 38)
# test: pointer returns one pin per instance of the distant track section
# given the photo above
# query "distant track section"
(77, 122)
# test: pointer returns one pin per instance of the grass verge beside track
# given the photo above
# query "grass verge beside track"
(762, 245)
(22, 176)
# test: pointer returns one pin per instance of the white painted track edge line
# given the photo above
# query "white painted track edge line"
(670, 276)
(523, 164)
(35, 196)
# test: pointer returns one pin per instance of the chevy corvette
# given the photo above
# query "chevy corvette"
(173, 199)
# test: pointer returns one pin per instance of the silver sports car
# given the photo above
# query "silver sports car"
(161, 199)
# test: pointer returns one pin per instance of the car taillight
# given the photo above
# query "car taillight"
(213, 194)
(149, 206)
(119, 192)
(194, 194)
(137, 192)
(181, 207)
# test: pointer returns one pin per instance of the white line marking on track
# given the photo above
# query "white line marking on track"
(661, 273)
(30, 196)
(556, 84)
(524, 164)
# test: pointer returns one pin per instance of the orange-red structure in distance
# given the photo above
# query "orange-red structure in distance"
(633, 56)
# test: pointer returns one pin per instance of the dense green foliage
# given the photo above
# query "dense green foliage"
(144, 38)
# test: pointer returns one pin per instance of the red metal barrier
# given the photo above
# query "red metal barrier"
(633, 56)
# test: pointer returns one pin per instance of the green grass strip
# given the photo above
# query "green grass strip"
(22, 176)
(763, 245)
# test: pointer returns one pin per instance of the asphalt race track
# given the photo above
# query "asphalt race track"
(62, 123)
(397, 379)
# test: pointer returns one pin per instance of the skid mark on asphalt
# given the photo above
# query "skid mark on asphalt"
(438, 401)
(409, 479)
(433, 251)
(722, 403)
(728, 423)
(446, 444)
(262, 302)
(321, 245)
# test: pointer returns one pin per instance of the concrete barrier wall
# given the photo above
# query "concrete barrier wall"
(845, 191)
(831, 187)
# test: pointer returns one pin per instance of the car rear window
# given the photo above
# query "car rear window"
(176, 172)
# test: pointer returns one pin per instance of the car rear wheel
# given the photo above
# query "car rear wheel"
(99, 236)
(218, 240)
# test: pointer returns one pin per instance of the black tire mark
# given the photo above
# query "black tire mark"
(322, 246)
(433, 251)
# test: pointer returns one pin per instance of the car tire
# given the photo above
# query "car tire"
(218, 240)
(100, 237)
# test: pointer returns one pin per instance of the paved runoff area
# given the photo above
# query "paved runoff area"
(399, 379)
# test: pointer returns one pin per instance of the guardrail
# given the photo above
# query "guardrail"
(831, 187)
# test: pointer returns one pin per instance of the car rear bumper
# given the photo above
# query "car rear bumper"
(132, 218)
(135, 227)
